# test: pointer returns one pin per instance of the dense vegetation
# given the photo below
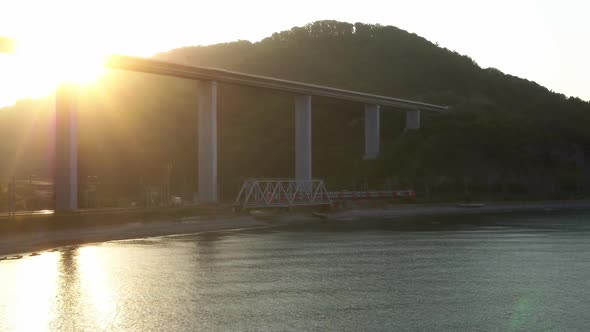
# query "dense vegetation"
(505, 135)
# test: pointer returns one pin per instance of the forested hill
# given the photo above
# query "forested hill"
(504, 135)
(502, 127)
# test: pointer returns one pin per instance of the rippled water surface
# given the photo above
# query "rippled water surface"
(507, 273)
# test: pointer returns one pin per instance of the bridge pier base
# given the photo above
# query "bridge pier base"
(207, 127)
(372, 131)
(413, 120)
(303, 138)
(66, 149)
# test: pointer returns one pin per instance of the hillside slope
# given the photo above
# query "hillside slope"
(502, 128)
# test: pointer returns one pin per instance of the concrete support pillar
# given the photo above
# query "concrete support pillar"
(372, 129)
(303, 138)
(207, 118)
(66, 149)
(413, 120)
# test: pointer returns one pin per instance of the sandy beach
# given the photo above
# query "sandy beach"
(27, 241)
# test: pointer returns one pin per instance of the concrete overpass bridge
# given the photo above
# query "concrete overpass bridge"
(66, 177)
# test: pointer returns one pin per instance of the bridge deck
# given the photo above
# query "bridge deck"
(212, 74)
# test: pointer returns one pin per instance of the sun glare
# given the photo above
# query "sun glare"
(68, 40)
(37, 67)
(61, 61)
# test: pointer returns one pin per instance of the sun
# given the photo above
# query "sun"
(37, 66)
(68, 40)
(62, 60)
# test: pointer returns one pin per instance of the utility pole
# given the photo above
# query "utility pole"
(11, 198)
(166, 183)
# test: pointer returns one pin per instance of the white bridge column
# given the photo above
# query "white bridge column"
(66, 149)
(207, 118)
(372, 129)
(413, 120)
(303, 138)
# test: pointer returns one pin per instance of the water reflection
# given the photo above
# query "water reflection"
(85, 300)
(67, 308)
(97, 289)
(59, 291)
(27, 292)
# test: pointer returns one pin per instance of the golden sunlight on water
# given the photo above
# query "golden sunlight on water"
(97, 290)
(58, 291)
(31, 300)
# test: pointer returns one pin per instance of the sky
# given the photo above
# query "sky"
(545, 41)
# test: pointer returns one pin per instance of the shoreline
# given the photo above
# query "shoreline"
(34, 242)
(418, 210)
(27, 241)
